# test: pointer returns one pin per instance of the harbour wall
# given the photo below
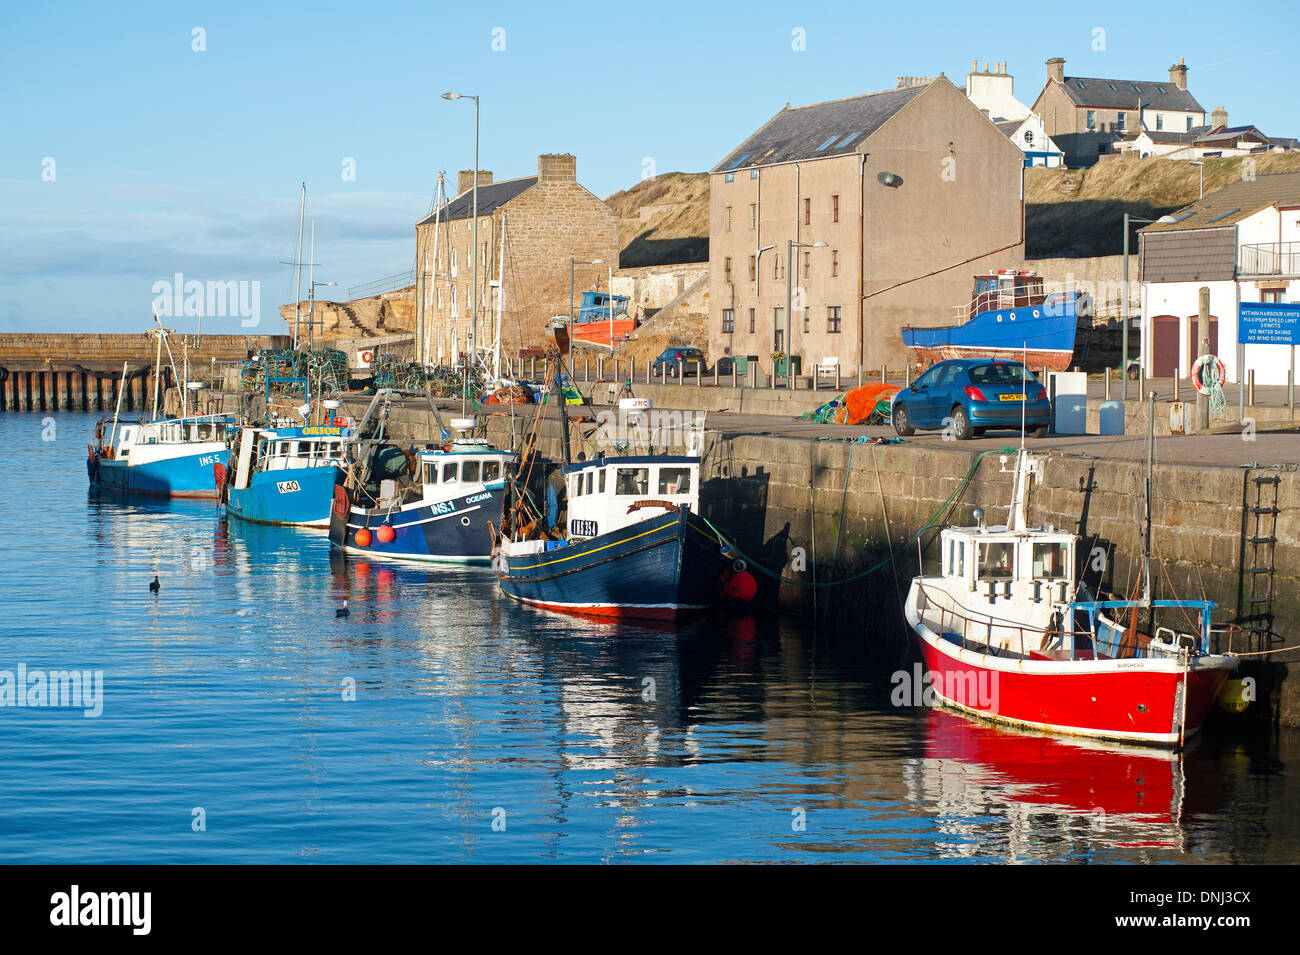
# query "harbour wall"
(53, 372)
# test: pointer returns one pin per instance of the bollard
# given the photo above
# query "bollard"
(907, 375)
(884, 372)
(859, 374)
(532, 369)
(815, 376)
(733, 374)
(600, 368)
(837, 376)
(1108, 384)
(753, 373)
(586, 369)
(1250, 388)
(647, 370)
(715, 375)
(616, 369)
(1175, 386)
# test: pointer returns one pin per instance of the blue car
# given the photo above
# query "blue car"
(970, 395)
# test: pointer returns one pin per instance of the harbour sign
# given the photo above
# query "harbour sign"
(1268, 323)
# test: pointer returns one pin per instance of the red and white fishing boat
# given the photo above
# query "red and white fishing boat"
(1008, 634)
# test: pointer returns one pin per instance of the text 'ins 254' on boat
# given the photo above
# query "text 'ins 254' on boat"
(1009, 634)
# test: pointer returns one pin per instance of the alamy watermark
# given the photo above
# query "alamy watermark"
(72, 689)
(659, 429)
(921, 687)
(221, 299)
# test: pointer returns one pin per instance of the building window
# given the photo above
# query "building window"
(752, 320)
(753, 174)
(1272, 295)
(835, 262)
(728, 321)
(453, 261)
(455, 310)
(753, 268)
(753, 216)
(778, 329)
(726, 226)
(835, 208)
(729, 177)
(807, 212)
(1121, 122)
(1092, 119)
(807, 265)
(726, 269)
(1160, 120)
(1189, 124)
(833, 315)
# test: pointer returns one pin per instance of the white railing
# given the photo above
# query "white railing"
(1269, 258)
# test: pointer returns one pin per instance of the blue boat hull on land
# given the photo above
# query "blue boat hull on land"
(1040, 335)
(661, 568)
(452, 531)
(296, 496)
(186, 475)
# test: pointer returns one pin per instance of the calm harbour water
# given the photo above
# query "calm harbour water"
(485, 732)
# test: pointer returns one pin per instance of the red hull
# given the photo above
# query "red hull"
(617, 612)
(1135, 704)
(1051, 360)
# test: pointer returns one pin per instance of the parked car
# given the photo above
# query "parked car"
(679, 359)
(970, 395)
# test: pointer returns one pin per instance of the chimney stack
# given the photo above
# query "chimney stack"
(1178, 74)
(1219, 117)
(1056, 69)
(465, 180)
(557, 167)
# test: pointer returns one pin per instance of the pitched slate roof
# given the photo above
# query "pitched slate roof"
(1195, 134)
(1234, 202)
(820, 130)
(1125, 94)
(490, 198)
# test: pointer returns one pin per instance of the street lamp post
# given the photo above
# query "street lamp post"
(791, 245)
(311, 313)
(1123, 363)
(473, 320)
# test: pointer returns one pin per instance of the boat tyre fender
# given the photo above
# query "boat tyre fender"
(412, 462)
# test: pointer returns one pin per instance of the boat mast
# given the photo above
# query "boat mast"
(501, 299)
(157, 362)
(564, 417)
(1146, 536)
(297, 270)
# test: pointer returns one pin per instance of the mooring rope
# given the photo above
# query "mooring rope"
(942, 511)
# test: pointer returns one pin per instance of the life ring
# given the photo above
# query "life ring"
(1214, 365)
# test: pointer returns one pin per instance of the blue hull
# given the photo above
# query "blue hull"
(452, 531)
(662, 568)
(298, 496)
(1043, 334)
(189, 476)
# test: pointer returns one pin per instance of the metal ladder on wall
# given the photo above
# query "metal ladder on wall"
(1257, 608)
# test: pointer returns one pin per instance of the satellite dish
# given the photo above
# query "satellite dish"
(890, 179)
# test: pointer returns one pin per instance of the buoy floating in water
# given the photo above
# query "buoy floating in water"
(385, 533)
(362, 537)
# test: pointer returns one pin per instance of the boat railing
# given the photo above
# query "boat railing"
(977, 633)
(995, 299)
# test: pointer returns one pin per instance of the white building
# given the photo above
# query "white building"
(993, 91)
(1243, 244)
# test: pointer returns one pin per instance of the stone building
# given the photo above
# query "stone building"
(911, 190)
(546, 219)
(1087, 116)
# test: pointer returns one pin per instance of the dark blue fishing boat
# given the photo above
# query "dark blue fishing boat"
(1011, 315)
(635, 545)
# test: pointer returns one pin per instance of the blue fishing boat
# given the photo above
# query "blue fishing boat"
(437, 504)
(285, 475)
(634, 545)
(1011, 315)
(168, 457)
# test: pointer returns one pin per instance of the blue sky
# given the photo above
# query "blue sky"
(168, 159)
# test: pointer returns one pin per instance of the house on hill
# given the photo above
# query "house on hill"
(993, 91)
(1087, 116)
(546, 218)
(1243, 243)
(892, 201)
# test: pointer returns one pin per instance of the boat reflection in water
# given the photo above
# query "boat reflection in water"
(1054, 796)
